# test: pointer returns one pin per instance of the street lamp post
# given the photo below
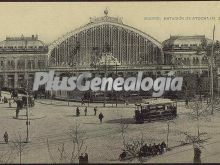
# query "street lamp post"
(212, 70)
(4, 71)
(89, 96)
(116, 70)
(51, 92)
(67, 93)
(168, 131)
(27, 112)
(105, 76)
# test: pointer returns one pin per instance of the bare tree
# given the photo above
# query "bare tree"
(62, 153)
(168, 132)
(66, 155)
(50, 153)
(197, 142)
(199, 111)
(123, 128)
(78, 139)
(192, 139)
(19, 146)
(6, 156)
(216, 104)
(132, 146)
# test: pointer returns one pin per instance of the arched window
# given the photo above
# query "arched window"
(21, 64)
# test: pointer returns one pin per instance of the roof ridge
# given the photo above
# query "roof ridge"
(187, 36)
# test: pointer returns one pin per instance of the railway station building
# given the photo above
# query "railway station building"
(104, 46)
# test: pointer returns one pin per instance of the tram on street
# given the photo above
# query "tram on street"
(155, 109)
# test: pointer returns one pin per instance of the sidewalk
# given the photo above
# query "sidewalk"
(75, 104)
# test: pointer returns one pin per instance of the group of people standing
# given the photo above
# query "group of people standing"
(152, 150)
(83, 159)
(100, 116)
(147, 150)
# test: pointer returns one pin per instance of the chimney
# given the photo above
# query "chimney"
(36, 37)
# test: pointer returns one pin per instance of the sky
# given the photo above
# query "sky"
(51, 20)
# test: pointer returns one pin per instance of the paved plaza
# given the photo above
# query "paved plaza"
(52, 120)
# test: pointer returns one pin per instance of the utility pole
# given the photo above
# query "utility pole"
(212, 93)
(4, 72)
(105, 76)
(67, 92)
(197, 118)
(27, 111)
(89, 97)
(168, 131)
(116, 70)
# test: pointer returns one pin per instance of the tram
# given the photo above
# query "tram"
(155, 109)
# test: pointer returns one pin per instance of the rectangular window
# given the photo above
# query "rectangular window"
(41, 64)
(21, 81)
(21, 64)
(31, 64)
(193, 45)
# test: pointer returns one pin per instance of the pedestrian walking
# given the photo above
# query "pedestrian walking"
(6, 137)
(9, 102)
(101, 116)
(85, 111)
(187, 102)
(123, 155)
(86, 158)
(95, 110)
(10, 93)
(17, 112)
(77, 111)
(81, 158)
(5, 100)
(82, 102)
(126, 102)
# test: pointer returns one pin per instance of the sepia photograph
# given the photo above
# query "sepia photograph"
(109, 82)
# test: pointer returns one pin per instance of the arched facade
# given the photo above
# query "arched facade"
(85, 45)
